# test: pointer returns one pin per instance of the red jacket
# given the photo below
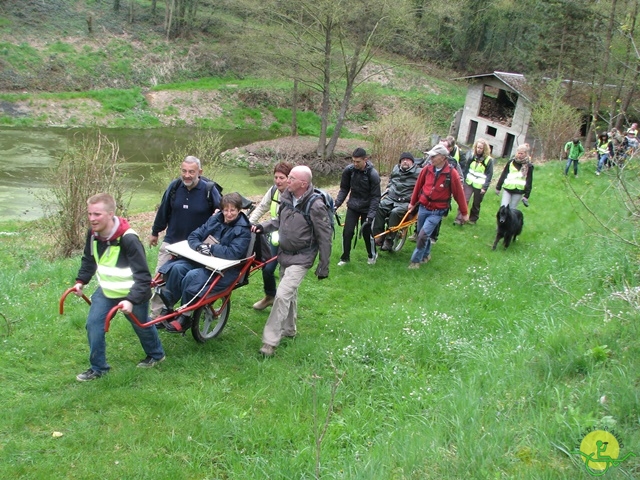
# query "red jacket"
(434, 192)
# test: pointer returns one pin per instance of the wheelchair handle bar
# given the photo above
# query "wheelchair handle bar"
(66, 294)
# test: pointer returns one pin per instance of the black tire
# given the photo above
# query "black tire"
(400, 239)
(208, 321)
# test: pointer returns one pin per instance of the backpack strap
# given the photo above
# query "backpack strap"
(209, 185)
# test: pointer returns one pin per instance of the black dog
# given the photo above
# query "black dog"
(510, 224)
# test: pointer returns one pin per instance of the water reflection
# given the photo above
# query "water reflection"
(26, 155)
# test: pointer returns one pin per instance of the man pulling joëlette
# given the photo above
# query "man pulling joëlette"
(113, 252)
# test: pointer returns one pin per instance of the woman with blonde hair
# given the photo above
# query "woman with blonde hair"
(477, 174)
(516, 180)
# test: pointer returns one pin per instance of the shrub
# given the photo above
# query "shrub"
(91, 164)
(204, 144)
(401, 131)
(553, 121)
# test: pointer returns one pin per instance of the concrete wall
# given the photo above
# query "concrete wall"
(499, 142)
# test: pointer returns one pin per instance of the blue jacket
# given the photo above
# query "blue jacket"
(188, 210)
(233, 239)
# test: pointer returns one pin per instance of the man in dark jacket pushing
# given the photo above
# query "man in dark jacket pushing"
(363, 181)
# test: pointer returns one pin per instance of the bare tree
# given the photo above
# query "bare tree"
(327, 45)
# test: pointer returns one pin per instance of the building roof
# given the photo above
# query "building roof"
(515, 81)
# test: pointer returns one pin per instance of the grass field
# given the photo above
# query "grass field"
(481, 364)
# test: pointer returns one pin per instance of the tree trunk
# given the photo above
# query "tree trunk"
(116, 5)
(294, 109)
(168, 16)
(326, 92)
(603, 75)
(351, 74)
(632, 59)
(131, 11)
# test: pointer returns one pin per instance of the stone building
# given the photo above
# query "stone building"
(498, 110)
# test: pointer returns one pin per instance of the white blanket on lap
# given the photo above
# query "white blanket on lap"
(182, 249)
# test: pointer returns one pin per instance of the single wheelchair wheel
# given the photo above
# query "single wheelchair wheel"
(401, 238)
(209, 320)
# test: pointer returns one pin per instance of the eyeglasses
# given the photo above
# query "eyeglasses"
(290, 177)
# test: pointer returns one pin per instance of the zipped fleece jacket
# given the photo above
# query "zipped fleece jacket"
(434, 191)
(299, 241)
(131, 255)
(364, 186)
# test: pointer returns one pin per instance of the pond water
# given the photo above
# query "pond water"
(27, 155)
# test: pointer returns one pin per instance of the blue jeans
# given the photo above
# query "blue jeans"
(575, 166)
(601, 161)
(428, 221)
(100, 306)
(185, 280)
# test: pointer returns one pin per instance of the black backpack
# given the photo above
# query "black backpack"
(210, 184)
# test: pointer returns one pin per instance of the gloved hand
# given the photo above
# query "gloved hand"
(204, 249)
(525, 201)
(257, 228)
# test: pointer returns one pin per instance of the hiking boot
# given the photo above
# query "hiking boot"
(426, 259)
(267, 350)
(387, 246)
(457, 222)
(88, 375)
(471, 222)
(179, 325)
(372, 260)
(267, 301)
(342, 262)
(597, 173)
(413, 266)
(150, 362)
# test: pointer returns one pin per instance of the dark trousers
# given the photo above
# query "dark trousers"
(350, 223)
(478, 196)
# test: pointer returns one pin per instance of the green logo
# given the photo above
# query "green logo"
(600, 451)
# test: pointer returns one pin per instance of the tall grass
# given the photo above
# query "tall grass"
(481, 364)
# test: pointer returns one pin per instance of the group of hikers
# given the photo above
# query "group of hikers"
(612, 148)
(299, 228)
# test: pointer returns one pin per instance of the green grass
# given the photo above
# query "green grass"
(483, 364)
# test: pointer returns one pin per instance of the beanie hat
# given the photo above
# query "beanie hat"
(407, 155)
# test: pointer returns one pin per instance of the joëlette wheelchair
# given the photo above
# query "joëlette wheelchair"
(403, 230)
(210, 310)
